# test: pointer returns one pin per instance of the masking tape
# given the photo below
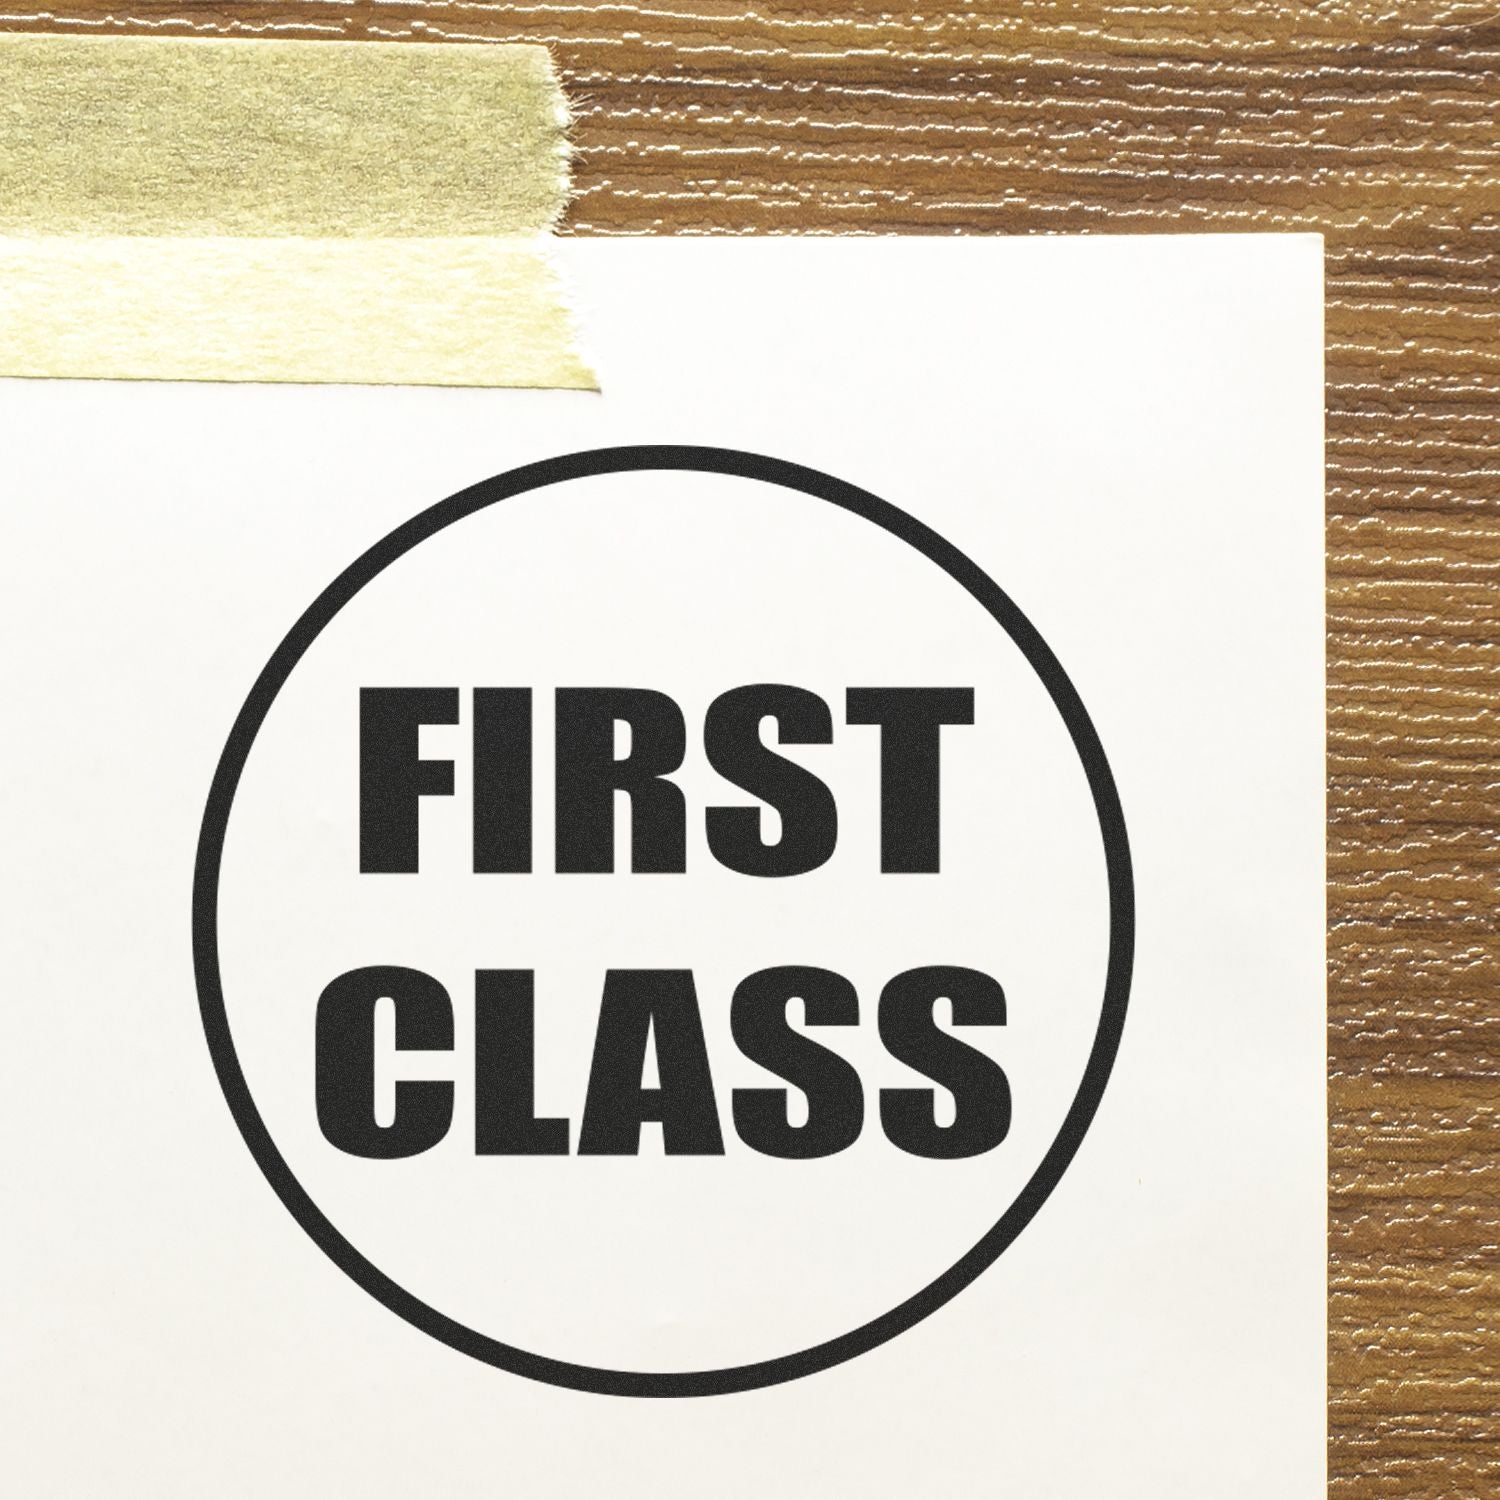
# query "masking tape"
(271, 210)
(471, 311)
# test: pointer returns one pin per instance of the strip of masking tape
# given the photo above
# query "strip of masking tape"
(472, 311)
(272, 210)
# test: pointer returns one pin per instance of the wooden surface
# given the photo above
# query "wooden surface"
(1379, 126)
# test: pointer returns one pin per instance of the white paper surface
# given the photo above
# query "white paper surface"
(1126, 435)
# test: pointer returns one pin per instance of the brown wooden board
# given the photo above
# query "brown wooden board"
(1376, 124)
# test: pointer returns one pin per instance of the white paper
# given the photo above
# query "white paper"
(1125, 435)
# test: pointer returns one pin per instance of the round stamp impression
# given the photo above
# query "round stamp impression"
(663, 921)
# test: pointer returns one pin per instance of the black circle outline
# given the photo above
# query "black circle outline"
(1096, 767)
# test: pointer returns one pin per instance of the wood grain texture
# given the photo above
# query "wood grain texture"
(1380, 126)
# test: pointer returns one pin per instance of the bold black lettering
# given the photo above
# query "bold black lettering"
(809, 818)
(392, 775)
(980, 1089)
(505, 1122)
(660, 1005)
(502, 781)
(588, 776)
(910, 720)
(344, 1064)
(835, 1099)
